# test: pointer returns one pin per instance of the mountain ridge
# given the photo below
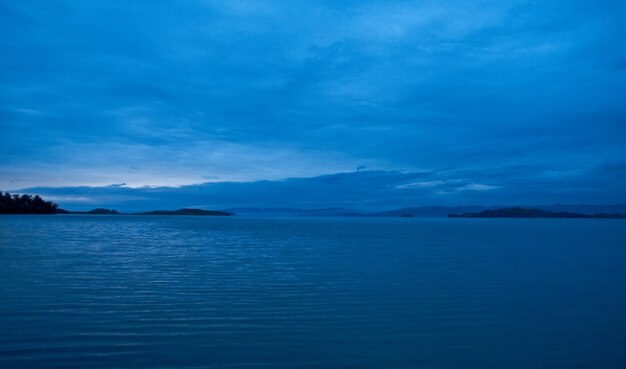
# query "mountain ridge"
(519, 212)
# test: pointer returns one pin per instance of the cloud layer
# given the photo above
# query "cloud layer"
(362, 190)
(503, 93)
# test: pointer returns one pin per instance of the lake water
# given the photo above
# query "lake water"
(236, 292)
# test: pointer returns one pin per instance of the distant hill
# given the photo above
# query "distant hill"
(426, 211)
(443, 211)
(517, 212)
(28, 204)
(103, 211)
(98, 211)
(295, 212)
(584, 209)
(187, 212)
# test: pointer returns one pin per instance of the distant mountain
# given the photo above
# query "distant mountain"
(443, 211)
(584, 209)
(26, 204)
(426, 211)
(517, 212)
(187, 212)
(329, 212)
(103, 211)
(98, 211)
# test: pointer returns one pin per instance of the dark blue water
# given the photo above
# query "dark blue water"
(209, 292)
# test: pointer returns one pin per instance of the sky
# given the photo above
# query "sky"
(360, 104)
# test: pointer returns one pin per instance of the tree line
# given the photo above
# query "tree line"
(25, 204)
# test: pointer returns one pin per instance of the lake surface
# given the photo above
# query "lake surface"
(234, 292)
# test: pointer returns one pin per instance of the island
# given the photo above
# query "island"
(98, 211)
(518, 212)
(187, 212)
(28, 204)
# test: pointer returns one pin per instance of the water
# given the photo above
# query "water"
(211, 292)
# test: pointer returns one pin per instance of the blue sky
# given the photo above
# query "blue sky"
(437, 102)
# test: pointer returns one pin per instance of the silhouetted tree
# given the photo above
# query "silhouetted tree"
(25, 204)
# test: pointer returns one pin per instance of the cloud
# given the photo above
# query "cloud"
(477, 187)
(424, 184)
(135, 165)
(366, 190)
(490, 93)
